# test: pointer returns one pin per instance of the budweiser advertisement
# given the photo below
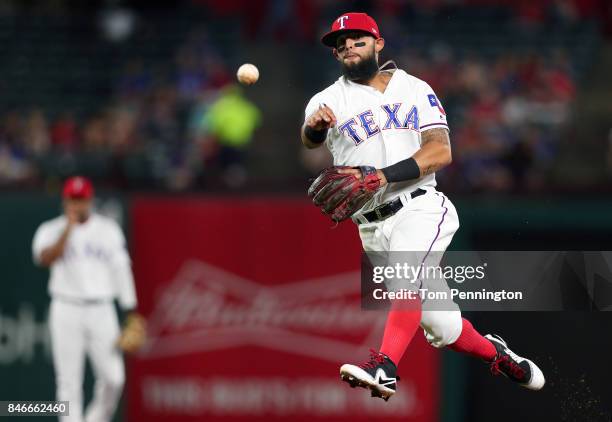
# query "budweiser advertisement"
(253, 305)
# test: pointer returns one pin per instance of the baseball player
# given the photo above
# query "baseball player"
(90, 267)
(388, 131)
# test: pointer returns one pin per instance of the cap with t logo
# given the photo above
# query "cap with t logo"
(350, 22)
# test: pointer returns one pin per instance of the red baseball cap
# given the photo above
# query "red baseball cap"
(78, 187)
(351, 22)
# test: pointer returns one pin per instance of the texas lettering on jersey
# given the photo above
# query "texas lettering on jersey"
(380, 128)
(87, 251)
(369, 126)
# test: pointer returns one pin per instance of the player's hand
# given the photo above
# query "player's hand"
(323, 118)
(357, 174)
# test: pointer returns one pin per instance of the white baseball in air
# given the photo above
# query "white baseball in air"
(247, 74)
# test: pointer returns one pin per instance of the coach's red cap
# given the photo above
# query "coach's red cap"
(350, 22)
(78, 187)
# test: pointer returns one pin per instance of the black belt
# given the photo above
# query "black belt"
(388, 209)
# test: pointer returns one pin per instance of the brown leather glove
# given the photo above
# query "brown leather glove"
(134, 333)
(340, 195)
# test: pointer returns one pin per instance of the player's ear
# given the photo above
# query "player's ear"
(379, 44)
(335, 53)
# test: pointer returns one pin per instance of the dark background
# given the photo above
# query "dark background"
(525, 84)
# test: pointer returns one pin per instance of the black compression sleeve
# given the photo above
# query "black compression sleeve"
(407, 169)
(316, 136)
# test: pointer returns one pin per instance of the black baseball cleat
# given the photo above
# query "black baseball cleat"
(518, 369)
(377, 374)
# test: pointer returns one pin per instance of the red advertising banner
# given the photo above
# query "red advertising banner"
(253, 305)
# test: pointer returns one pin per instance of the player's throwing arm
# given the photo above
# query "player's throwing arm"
(316, 126)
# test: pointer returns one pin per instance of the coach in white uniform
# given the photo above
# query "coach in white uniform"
(90, 267)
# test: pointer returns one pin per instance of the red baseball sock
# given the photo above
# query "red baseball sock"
(471, 342)
(402, 322)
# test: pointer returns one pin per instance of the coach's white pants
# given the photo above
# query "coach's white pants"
(76, 331)
(425, 225)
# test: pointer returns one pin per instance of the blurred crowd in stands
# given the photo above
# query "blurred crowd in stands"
(155, 131)
(177, 130)
(506, 115)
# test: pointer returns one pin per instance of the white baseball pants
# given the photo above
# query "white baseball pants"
(78, 330)
(425, 225)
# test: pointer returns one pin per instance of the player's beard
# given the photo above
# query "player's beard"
(363, 70)
(83, 217)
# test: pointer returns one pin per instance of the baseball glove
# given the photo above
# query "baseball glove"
(340, 195)
(134, 333)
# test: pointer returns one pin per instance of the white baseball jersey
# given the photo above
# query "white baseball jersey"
(95, 264)
(380, 129)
